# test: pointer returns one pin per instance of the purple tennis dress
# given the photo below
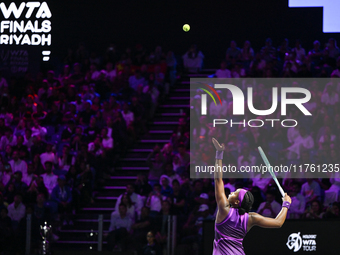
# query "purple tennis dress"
(229, 234)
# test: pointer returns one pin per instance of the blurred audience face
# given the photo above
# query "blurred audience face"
(130, 189)
(122, 211)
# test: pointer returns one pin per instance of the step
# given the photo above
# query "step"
(179, 98)
(167, 118)
(125, 177)
(115, 187)
(140, 150)
(184, 90)
(162, 127)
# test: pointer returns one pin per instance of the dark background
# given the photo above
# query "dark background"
(159, 22)
(273, 241)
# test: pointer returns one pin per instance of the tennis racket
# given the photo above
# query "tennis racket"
(266, 161)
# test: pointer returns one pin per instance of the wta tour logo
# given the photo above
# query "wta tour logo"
(307, 242)
(238, 103)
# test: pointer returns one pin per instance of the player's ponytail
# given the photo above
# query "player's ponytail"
(247, 203)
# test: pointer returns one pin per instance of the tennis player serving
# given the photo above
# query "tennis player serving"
(233, 219)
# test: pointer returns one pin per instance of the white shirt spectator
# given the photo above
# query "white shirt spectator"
(310, 190)
(8, 141)
(131, 212)
(128, 117)
(18, 165)
(62, 162)
(16, 213)
(307, 142)
(329, 99)
(42, 131)
(297, 207)
(223, 73)
(136, 199)
(154, 93)
(300, 53)
(117, 222)
(48, 156)
(50, 181)
(91, 147)
(266, 212)
(5, 177)
(155, 203)
(107, 142)
(27, 178)
(292, 134)
(28, 142)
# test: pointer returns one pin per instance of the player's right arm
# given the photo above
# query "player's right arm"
(221, 198)
(265, 222)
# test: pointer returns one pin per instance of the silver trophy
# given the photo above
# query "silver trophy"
(46, 234)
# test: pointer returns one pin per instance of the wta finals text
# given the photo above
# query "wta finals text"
(263, 169)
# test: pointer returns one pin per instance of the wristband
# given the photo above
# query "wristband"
(286, 204)
(219, 154)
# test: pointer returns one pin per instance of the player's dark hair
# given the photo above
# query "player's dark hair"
(246, 204)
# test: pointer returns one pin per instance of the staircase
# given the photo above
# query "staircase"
(84, 234)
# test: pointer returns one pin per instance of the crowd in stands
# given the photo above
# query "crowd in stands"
(62, 131)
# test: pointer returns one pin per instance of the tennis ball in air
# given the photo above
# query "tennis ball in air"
(186, 27)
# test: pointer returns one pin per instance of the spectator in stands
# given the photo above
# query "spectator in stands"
(49, 154)
(68, 132)
(193, 59)
(50, 179)
(21, 127)
(183, 155)
(38, 130)
(314, 211)
(161, 222)
(66, 160)
(143, 188)
(19, 185)
(303, 142)
(92, 130)
(246, 159)
(154, 200)
(166, 188)
(333, 211)
(16, 210)
(62, 194)
(136, 79)
(156, 167)
(247, 54)
(17, 164)
(28, 138)
(8, 139)
(120, 226)
(329, 96)
(54, 117)
(37, 187)
(136, 199)
(268, 52)
(311, 190)
(300, 52)
(233, 53)
(298, 202)
(141, 228)
(85, 116)
(152, 246)
(6, 174)
(269, 208)
(30, 176)
(131, 211)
